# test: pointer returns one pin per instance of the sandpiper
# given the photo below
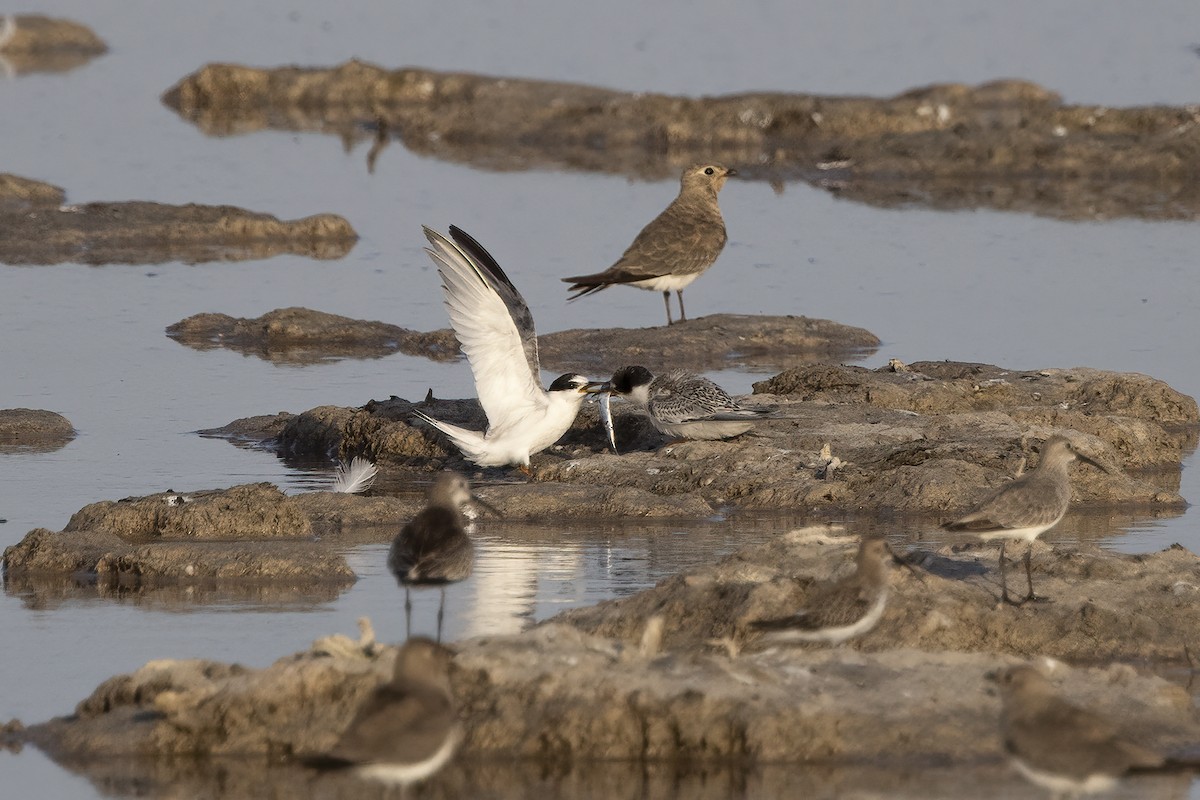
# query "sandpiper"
(434, 549)
(496, 332)
(1027, 507)
(406, 730)
(676, 247)
(685, 405)
(841, 609)
(1059, 746)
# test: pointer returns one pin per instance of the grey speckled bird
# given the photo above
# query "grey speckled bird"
(840, 610)
(676, 247)
(406, 730)
(434, 549)
(685, 405)
(1026, 508)
(1059, 746)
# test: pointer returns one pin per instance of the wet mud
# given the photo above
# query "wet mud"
(302, 336)
(1009, 145)
(30, 430)
(37, 43)
(930, 437)
(139, 232)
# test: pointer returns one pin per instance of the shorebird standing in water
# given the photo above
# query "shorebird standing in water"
(842, 609)
(676, 247)
(434, 549)
(406, 730)
(684, 405)
(1026, 508)
(1059, 746)
(496, 332)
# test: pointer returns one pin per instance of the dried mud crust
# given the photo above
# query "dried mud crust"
(559, 694)
(1101, 606)
(1005, 144)
(250, 532)
(930, 437)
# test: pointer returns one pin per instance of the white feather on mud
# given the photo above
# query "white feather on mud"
(355, 477)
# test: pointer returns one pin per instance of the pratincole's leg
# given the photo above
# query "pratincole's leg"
(682, 314)
(667, 303)
(407, 614)
(441, 606)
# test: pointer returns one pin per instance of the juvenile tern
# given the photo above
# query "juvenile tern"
(494, 327)
(684, 405)
(676, 247)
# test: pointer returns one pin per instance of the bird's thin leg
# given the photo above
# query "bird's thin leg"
(667, 303)
(441, 606)
(407, 614)
(682, 314)
(1003, 579)
(1029, 578)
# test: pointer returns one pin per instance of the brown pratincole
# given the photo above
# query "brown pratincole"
(684, 405)
(1026, 508)
(676, 247)
(1059, 746)
(434, 549)
(843, 609)
(406, 730)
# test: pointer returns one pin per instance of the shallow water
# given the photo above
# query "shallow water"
(1019, 291)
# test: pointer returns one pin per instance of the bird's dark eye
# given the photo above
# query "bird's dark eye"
(709, 170)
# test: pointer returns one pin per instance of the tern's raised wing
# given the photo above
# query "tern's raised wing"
(492, 324)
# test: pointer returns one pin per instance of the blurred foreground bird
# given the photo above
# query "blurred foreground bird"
(406, 729)
(843, 609)
(1059, 746)
(496, 332)
(676, 247)
(434, 549)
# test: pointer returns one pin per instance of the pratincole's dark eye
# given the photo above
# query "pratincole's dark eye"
(709, 170)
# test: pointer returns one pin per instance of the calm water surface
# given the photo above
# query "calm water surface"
(1020, 291)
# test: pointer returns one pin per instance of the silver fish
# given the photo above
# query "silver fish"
(607, 421)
